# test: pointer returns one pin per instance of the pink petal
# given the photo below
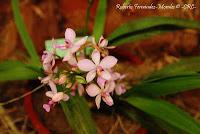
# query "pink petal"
(110, 86)
(96, 57)
(46, 79)
(81, 41)
(86, 65)
(70, 34)
(115, 76)
(80, 89)
(101, 82)
(74, 49)
(65, 97)
(52, 86)
(68, 56)
(49, 94)
(72, 61)
(92, 90)
(58, 97)
(48, 58)
(108, 100)
(105, 75)
(78, 44)
(103, 42)
(120, 89)
(46, 107)
(90, 76)
(98, 100)
(60, 46)
(108, 62)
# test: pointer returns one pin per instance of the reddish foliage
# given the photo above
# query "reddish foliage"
(41, 129)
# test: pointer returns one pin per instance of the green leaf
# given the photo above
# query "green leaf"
(167, 86)
(15, 70)
(62, 53)
(184, 66)
(168, 128)
(153, 124)
(23, 33)
(139, 36)
(166, 112)
(59, 52)
(78, 115)
(148, 27)
(100, 19)
(10, 64)
(80, 79)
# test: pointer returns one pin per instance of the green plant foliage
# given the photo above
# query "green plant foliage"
(49, 46)
(100, 19)
(23, 33)
(183, 67)
(78, 115)
(15, 70)
(148, 27)
(167, 86)
(166, 112)
(62, 53)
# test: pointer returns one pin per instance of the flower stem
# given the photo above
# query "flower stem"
(22, 96)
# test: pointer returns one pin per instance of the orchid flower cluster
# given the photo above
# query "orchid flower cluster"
(80, 73)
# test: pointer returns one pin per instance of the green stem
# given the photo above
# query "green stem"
(22, 96)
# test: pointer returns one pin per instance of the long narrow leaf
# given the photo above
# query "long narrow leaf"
(23, 32)
(182, 67)
(167, 86)
(166, 112)
(15, 70)
(168, 128)
(140, 35)
(78, 115)
(100, 19)
(148, 27)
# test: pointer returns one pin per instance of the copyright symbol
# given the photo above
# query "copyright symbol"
(178, 6)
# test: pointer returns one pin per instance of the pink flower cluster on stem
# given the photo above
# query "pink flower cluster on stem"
(97, 70)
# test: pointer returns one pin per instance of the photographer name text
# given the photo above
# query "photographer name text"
(152, 6)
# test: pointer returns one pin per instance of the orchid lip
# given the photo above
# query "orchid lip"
(68, 43)
(99, 70)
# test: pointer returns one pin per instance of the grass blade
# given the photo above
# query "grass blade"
(78, 115)
(15, 70)
(100, 19)
(167, 86)
(182, 67)
(23, 33)
(168, 113)
(148, 27)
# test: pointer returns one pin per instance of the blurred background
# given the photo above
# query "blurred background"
(47, 19)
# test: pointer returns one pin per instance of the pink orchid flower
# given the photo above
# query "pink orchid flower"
(100, 92)
(71, 46)
(120, 89)
(55, 98)
(49, 80)
(103, 43)
(48, 61)
(114, 83)
(96, 66)
(47, 107)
